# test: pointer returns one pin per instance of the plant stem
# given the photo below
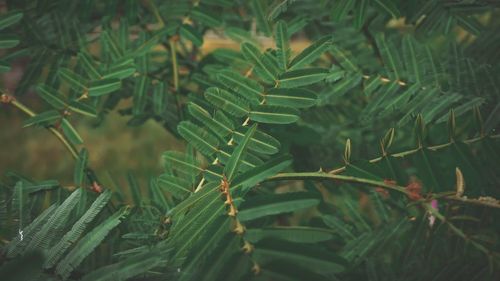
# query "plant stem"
(488, 202)
(321, 175)
(11, 100)
(453, 228)
(174, 64)
(156, 13)
(175, 70)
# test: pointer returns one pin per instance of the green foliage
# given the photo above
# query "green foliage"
(239, 201)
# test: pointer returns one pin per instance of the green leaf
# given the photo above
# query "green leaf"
(179, 211)
(103, 87)
(239, 35)
(213, 173)
(469, 23)
(260, 17)
(8, 41)
(282, 39)
(245, 87)
(360, 13)
(304, 255)
(42, 118)
(75, 81)
(19, 201)
(88, 243)
(267, 69)
(158, 199)
(186, 215)
(311, 53)
(183, 162)
(273, 204)
(200, 114)
(16, 245)
(232, 166)
(42, 185)
(343, 229)
(174, 185)
(80, 167)
(119, 72)
(389, 7)
(70, 133)
(110, 46)
(299, 234)
(249, 160)
(390, 57)
(273, 114)
(204, 142)
(135, 189)
(260, 141)
(188, 32)
(226, 101)
(159, 98)
(298, 98)
(51, 96)
(260, 173)
(411, 60)
(4, 66)
(38, 60)
(88, 65)
(83, 108)
(205, 17)
(49, 232)
(130, 267)
(279, 8)
(146, 47)
(341, 8)
(77, 229)
(302, 77)
(10, 18)
(380, 206)
(205, 247)
(140, 90)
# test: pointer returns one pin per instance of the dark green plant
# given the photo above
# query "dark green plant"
(403, 93)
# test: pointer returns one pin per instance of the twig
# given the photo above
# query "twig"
(7, 99)
(485, 202)
(328, 176)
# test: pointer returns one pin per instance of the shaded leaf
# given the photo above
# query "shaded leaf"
(273, 204)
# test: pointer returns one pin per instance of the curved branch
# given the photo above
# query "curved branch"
(7, 99)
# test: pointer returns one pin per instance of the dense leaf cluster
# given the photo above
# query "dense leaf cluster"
(404, 94)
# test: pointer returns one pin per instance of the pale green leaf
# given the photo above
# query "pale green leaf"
(70, 132)
(273, 114)
(311, 53)
(103, 87)
(227, 101)
(198, 137)
(298, 98)
(302, 77)
(232, 166)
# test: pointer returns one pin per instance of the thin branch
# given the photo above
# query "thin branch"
(455, 229)
(7, 99)
(328, 176)
(485, 202)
